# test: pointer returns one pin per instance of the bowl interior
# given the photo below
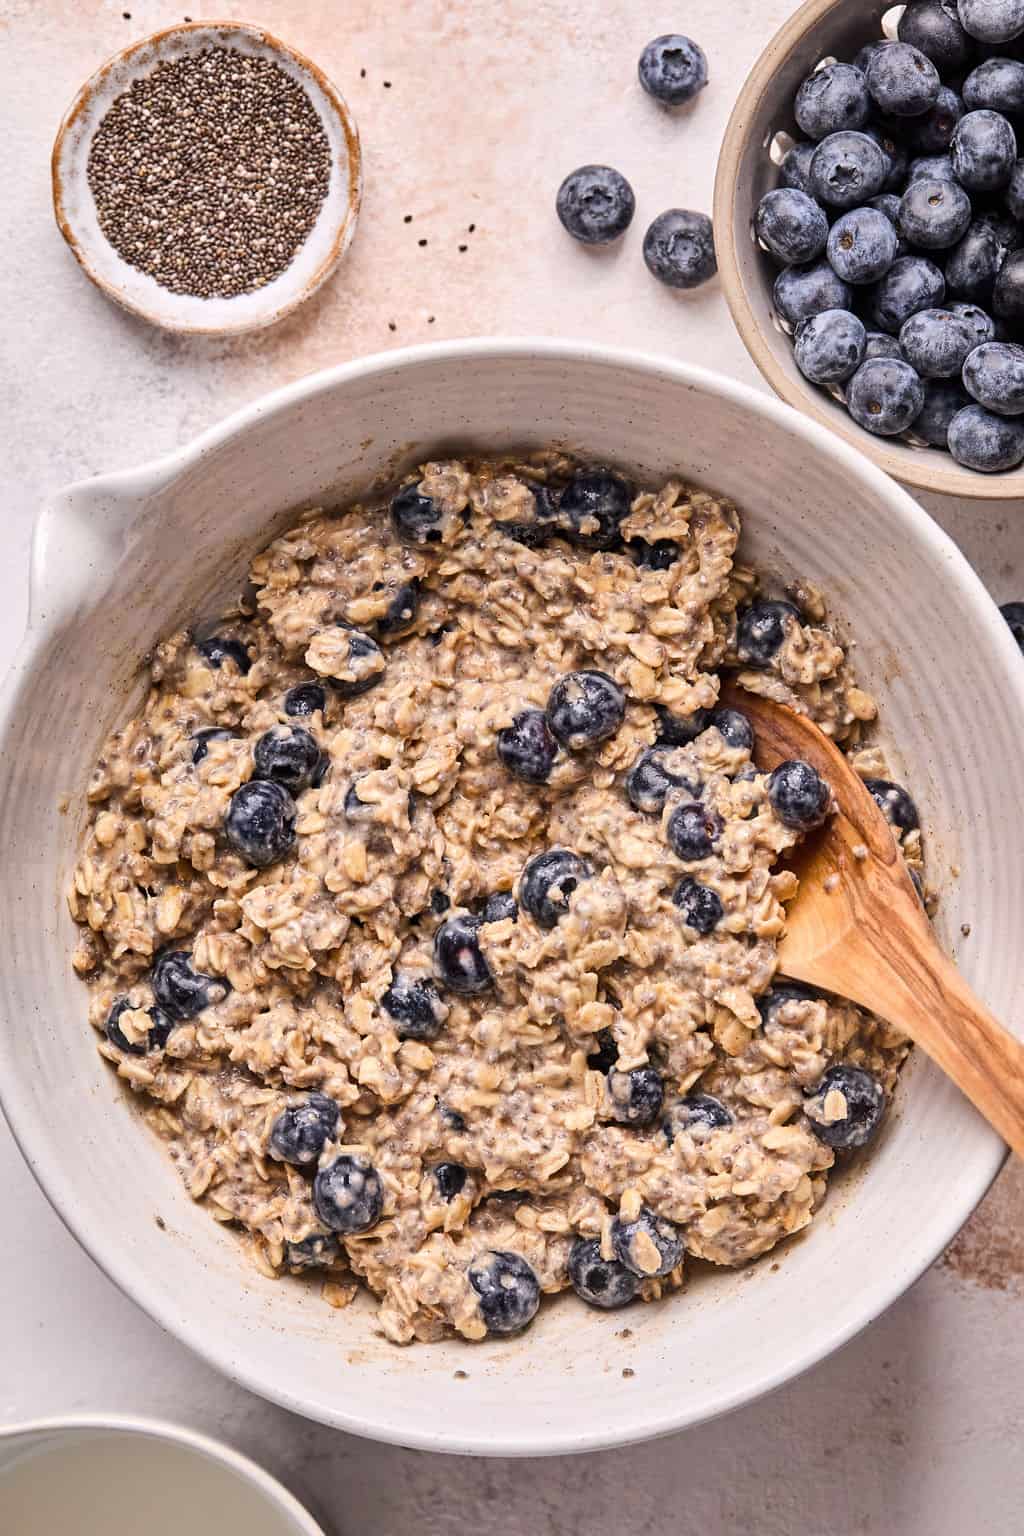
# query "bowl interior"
(761, 127)
(121, 561)
(75, 208)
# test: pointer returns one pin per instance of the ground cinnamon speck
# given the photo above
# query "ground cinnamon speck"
(209, 173)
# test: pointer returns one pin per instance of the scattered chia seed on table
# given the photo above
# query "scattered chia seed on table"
(209, 173)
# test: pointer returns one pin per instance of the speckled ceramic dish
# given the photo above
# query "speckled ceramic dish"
(122, 560)
(75, 209)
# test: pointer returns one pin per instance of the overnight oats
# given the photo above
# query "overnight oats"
(430, 903)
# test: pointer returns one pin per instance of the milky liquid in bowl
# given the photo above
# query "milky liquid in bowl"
(106, 1482)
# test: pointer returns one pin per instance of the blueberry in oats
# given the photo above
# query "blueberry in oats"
(305, 699)
(635, 1097)
(155, 1037)
(647, 1244)
(547, 884)
(412, 1002)
(260, 822)
(700, 906)
(846, 1107)
(733, 727)
(780, 995)
(692, 831)
(677, 730)
(696, 1115)
(585, 708)
(673, 68)
(652, 776)
(595, 204)
(348, 1195)
(217, 649)
(592, 507)
(300, 1132)
(288, 755)
(415, 517)
(661, 555)
(318, 1251)
(895, 803)
(450, 1179)
(356, 661)
(761, 630)
(527, 748)
(507, 1288)
(500, 907)
(459, 963)
(400, 614)
(201, 740)
(598, 1281)
(180, 990)
(799, 795)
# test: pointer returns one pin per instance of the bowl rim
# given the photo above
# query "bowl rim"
(927, 471)
(42, 1152)
(155, 41)
(273, 1492)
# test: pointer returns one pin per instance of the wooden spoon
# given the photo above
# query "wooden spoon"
(858, 929)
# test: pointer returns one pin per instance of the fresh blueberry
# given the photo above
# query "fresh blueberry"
(159, 1029)
(980, 440)
(895, 803)
(763, 626)
(635, 1097)
(973, 265)
(361, 667)
(600, 1282)
(862, 58)
(648, 1246)
(863, 1107)
(984, 150)
(677, 730)
(884, 396)
(218, 649)
(807, 290)
(942, 399)
(981, 324)
(769, 1003)
(991, 21)
(658, 556)
(415, 517)
(935, 343)
(499, 907)
(934, 27)
(887, 203)
(260, 822)
(934, 214)
(548, 881)
(878, 344)
(698, 1114)
(847, 169)
(791, 226)
(593, 505)
(179, 990)
(450, 1179)
(413, 1003)
(795, 169)
(799, 795)
(862, 245)
(201, 740)
(650, 779)
(1013, 196)
(994, 375)
(733, 727)
(459, 963)
(700, 906)
(692, 831)
(931, 168)
(902, 80)
(318, 1251)
(305, 699)
(996, 83)
(673, 68)
(1007, 232)
(300, 1132)
(605, 1053)
(896, 157)
(679, 248)
(595, 204)
(832, 98)
(1013, 613)
(527, 748)
(932, 132)
(400, 614)
(585, 708)
(288, 755)
(348, 1195)
(508, 1290)
(1008, 293)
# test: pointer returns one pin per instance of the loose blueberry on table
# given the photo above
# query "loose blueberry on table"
(595, 204)
(673, 68)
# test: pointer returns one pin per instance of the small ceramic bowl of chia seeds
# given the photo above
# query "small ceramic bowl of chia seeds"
(208, 178)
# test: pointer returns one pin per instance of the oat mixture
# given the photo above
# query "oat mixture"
(430, 904)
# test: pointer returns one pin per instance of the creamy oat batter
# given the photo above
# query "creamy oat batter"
(367, 1039)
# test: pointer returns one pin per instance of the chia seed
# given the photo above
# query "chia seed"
(209, 173)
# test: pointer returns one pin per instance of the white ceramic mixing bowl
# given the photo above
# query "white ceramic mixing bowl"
(122, 560)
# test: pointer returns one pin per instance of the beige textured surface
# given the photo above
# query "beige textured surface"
(929, 1398)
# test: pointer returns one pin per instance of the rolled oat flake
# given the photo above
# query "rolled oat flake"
(209, 173)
